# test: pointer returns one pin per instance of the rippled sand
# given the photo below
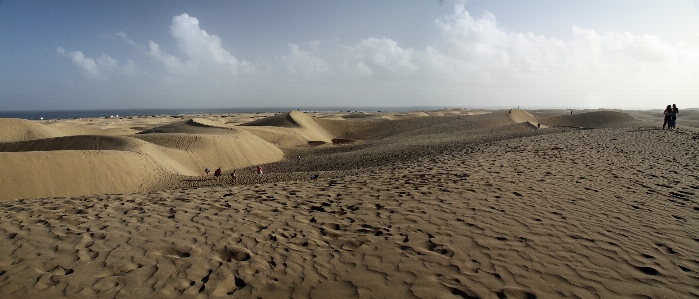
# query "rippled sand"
(447, 208)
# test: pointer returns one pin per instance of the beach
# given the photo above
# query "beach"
(450, 203)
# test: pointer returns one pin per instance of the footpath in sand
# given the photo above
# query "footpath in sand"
(556, 213)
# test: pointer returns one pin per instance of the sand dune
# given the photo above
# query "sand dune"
(76, 143)
(597, 119)
(514, 218)
(237, 150)
(20, 130)
(289, 130)
(520, 116)
(78, 172)
(192, 126)
(396, 116)
(135, 163)
(361, 115)
(453, 204)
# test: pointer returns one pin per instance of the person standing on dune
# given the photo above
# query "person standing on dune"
(207, 170)
(259, 169)
(673, 117)
(234, 176)
(667, 113)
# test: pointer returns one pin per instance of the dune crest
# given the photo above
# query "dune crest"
(520, 116)
(594, 119)
(192, 126)
(289, 130)
(398, 116)
(14, 129)
(90, 164)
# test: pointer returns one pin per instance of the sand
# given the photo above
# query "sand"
(434, 204)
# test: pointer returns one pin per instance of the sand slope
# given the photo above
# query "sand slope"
(520, 116)
(596, 119)
(78, 172)
(89, 164)
(237, 150)
(606, 213)
(13, 129)
(289, 129)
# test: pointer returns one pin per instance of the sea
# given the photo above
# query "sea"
(75, 114)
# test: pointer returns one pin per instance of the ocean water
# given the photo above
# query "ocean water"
(68, 114)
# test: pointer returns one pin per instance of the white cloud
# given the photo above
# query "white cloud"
(386, 54)
(475, 40)
(106, 62)
(364, 70)
(590, 67)
(473, 62)
(303, 62)
(128, 40)
(201, 51)
(172, 63)
(86, 64)
(100, 68)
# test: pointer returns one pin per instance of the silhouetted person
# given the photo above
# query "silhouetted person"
(668, 116)
(217, 174)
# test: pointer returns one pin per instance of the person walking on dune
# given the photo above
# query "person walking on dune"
(668, 116)
(259, 169)
(234, 176)
(217, 174)
(207, 170)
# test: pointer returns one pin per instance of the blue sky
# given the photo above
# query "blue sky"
(228, 54)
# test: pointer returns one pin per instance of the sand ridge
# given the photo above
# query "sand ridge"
(290, 129)
(21, 130)
(154, 159)
(594, 119)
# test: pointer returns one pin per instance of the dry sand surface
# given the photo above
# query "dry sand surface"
(436, 204)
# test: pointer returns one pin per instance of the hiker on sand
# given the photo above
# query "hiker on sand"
(234, 176)
(298, 160)
(259, 169)
(217, 174)
(668, 116)
(207, 170)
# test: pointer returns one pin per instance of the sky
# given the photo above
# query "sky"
(65, 55)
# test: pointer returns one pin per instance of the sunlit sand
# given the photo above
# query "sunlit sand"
(452, 203)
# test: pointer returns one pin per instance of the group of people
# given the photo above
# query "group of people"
(234, 174)
(670, 117)
(217, 172)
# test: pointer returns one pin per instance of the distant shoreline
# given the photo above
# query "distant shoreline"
(74, 114)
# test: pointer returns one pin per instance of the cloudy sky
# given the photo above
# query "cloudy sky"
(304, 53)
